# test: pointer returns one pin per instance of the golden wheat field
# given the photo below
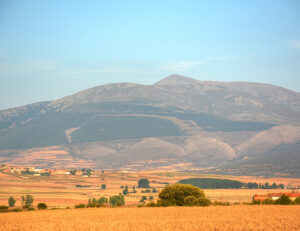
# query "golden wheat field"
(171, 218)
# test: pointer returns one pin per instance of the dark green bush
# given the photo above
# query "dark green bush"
(79, 206)
(42, 206)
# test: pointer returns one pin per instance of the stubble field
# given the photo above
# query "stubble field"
(170, 218)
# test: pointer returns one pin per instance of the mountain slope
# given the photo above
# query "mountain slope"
(179, 118)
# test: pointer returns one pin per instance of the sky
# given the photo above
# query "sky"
(51, 49)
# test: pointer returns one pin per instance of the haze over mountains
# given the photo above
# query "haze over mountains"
(226, 127)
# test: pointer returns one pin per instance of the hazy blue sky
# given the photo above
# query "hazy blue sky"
(50, 49)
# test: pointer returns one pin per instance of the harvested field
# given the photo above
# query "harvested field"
(171, 218)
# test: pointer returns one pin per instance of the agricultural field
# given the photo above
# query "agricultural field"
(255, 217)
(61, 191)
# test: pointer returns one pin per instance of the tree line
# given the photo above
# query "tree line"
(215, 183)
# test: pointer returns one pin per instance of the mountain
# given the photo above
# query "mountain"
(203, 124)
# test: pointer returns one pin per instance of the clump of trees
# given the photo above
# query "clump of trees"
(27, 201)
(212, 183)
(117, 200)
(253, 185)
(114, 201)
(100, 202)
(181, 195)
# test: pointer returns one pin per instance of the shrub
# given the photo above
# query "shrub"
(268, 202)
(283, 200)
(175, 194)
(42, 206)
(190, 201)
(254, 202)
(221, 203)
(202, 201)
(151, 204)
(103, 186)
(79, 206)
(297, 201)
(16, 210)
(3, 208)
(146, 191)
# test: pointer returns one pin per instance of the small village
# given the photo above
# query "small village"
(22, 170)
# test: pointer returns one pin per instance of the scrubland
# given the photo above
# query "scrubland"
(170, 218)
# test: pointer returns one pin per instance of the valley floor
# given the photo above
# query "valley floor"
(62, 191)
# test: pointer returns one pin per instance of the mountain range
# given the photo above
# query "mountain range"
(237, 128)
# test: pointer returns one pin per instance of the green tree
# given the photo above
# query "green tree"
(28, 201)
(283, 200)
(94, 202)
(175, 194)
(133, 189)
(22, 201)
(267, 186)
(11, 202)
(143, 183)
(103, 186)
(274, 185)
(125, 191)
(42, 206)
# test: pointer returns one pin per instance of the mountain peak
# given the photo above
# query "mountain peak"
(176, 80)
